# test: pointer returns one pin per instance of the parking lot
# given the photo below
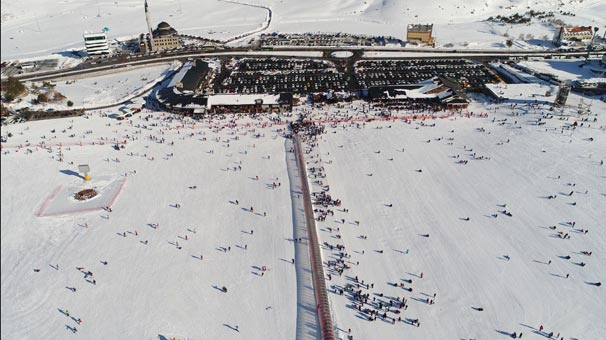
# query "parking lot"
(335, 39)
(308, 75)
(275, 75)
(372, 73)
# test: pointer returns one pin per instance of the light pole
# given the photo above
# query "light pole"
(595, 34)
(590, 47)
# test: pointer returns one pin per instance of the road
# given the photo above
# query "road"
(118, 62)
(263, 27)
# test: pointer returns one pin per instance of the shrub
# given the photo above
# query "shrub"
(43, 98)
(12, 88)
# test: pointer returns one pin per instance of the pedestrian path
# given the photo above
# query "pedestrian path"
(308, 326)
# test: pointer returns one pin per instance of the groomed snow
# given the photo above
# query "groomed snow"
(152, 289)
(149, 288)
(525, 93)
(517, 164)
(591, 71)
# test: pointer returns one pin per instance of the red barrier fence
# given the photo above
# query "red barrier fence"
(323, 308)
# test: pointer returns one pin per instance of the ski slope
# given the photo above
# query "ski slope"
(463, 259)
(149, 289)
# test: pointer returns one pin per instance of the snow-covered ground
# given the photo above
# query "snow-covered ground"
(342, 54)
(525, 93)
(565, 70)
(37, 27)
(103, 90)
(150, 288)
(511, 266)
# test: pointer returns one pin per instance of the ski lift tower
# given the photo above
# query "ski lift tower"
(585, 108)
(562, 95)
(85, 169)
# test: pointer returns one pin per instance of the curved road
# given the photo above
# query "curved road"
(263, 27)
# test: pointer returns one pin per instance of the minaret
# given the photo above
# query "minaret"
(149, 28)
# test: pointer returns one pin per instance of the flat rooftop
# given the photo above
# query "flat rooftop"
(420, 28)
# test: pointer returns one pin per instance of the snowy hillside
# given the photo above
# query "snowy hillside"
(49, 28)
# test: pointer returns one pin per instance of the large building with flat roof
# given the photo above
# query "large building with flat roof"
(420, 33)
(96, 43)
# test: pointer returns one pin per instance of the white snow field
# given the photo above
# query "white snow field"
(110, 88)
(592, 71)
(155, 286)
(36, 27)
(39, 27)
(150, 288)
(438, 224)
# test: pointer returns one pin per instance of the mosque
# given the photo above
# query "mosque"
(164, 37)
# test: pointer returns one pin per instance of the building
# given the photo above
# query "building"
(574, 35)
(184, 93)
(420, 33)
(249, 103)
(437, 93)
(96, 43)
(164, 37)
(195, 77)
